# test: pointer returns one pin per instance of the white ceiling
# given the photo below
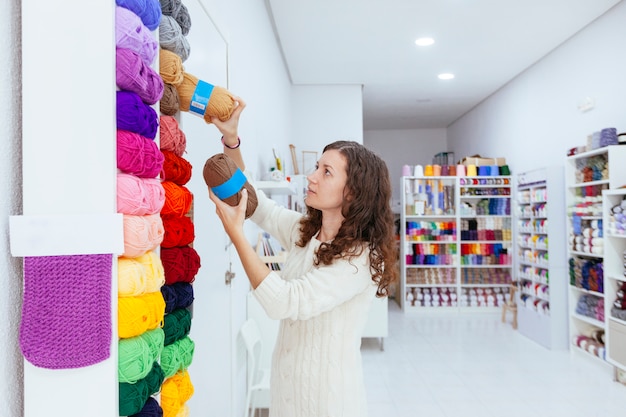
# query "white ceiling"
(485, 43)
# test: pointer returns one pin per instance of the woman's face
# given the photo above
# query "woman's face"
(327, 183)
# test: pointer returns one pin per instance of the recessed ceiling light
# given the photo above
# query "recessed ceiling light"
(424, 41)
(445, 76)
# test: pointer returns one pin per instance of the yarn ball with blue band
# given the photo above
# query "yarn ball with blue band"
(226, 181)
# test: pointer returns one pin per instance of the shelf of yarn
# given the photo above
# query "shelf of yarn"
(589, 175)
(457, 242)
(540, 255)
(614, 212)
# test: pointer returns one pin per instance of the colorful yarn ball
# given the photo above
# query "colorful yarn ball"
(172, 39)
(178, 199)
(133, 397)
(175, 392)
(131, 33)
(177, 356)
(170, 103)
(179, 231)
(176, 325)
(136, 116)
(220, 168)
(180, 264)
(170, 67)
(175, 168)
(132, 74)
(171, 137)
(149, 11)
(139, 196)
(151, 408)
(140, 275)
(136, 355)
(138, 155)
(177, 295)
(142, 234)
(137, 315)
(178, 11)
(221, 103)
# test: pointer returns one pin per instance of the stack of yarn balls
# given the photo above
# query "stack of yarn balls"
(140, 199)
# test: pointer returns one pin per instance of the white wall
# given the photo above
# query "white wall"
(405, 147)
(11, 368)
(534, 120)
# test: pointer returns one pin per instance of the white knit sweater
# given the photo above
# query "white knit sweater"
(316, 365)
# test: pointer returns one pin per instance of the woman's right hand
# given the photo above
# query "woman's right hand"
(229, 128)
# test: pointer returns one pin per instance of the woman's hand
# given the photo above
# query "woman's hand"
(232, 217)
(229, 128)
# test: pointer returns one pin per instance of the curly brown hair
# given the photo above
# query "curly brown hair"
(368, 218)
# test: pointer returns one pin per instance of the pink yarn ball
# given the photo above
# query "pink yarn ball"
(131, 33)
(171, 137)
(139, 196)
(142, 234)
(138, 155)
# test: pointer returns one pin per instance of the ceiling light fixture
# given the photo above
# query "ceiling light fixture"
(424, 41)
(445, 76)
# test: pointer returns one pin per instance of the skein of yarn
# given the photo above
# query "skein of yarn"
(133, 397)
(170, 103)
(176, 325)
(136, 355)
(151, 408)
(149, 11)
(175, 392)
(132, 74)
(178, 199)
(171, 137)
(175, 168)
(138, 155)
(139, 196)
(137, 315)
(178, 11)
(208, 100)
(170, 67)
(140, 275)
(177, 356)
(179, 231)
(172, 39)
(131, 33)
(142, 234)
(177, 295)
(136, 116)
(180, 264)
(226, 181)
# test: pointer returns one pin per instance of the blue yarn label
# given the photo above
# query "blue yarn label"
(200, 98)
(230, 187)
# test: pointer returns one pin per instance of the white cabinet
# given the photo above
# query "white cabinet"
(455, 242)
(588, 174)
(541, 267)
(614, 217)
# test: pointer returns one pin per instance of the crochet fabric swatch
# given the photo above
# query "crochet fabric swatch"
(66, 315)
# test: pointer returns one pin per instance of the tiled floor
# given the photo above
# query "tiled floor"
(469, 365)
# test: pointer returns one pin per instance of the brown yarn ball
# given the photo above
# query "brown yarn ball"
(221, 103)
(169, 103)
(170, 67)
(220, 168)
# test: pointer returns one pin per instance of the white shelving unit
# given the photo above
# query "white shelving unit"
(542, 275)
(455, 243)
(587, 175)
(615, 276)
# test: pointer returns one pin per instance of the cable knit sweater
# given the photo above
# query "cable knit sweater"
(316, 364)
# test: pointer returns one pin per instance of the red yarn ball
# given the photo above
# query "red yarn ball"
(175, 168)
(179, 231)
(180, 264)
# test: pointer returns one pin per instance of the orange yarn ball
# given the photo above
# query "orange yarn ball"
(175, 168)
(221, 103)
(170, 67)
(178, 199)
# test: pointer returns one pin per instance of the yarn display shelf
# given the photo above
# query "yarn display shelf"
(275, 187)
(585, 291)
(587, 254)
(588, 320)
(430, 216)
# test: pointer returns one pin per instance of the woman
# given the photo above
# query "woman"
(341, 254)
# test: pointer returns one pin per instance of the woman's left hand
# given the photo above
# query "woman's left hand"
(232, 217)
